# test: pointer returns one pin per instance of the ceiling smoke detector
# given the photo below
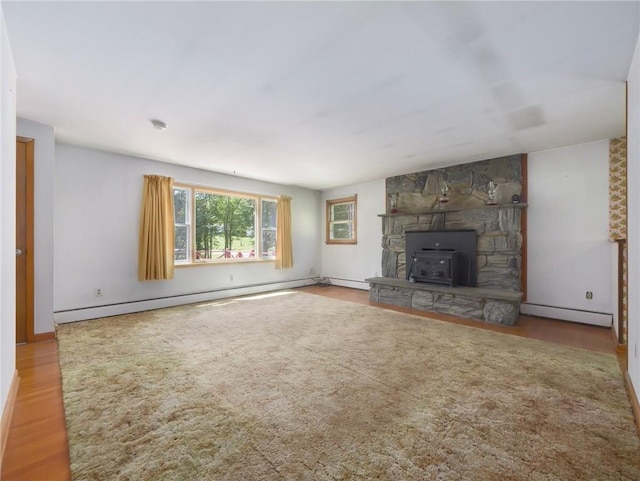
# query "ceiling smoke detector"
(158, 124)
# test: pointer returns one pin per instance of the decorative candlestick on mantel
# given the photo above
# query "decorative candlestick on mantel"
(444, 197)
(393, 203)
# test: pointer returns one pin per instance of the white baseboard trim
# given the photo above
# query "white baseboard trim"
(337, 281)
(73, 315)
(7, 414)
(573, 315)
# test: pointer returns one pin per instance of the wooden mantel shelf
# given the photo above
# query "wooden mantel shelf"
(519, 205)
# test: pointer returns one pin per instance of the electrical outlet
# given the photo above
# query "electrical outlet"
(98, 291)
(589, 295)
(231, 277)
(635, 350)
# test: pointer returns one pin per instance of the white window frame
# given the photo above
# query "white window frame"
(265, 229)
(187, 224)
(192, 259)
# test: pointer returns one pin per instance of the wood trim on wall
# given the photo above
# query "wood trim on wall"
(621, 245)
(7, 414)
(523, 226)
(619, 347)
(621, 351)
(44, 336)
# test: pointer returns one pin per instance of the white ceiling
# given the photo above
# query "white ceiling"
(321, 94)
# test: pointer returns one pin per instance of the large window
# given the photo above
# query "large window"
(341, 221)
(218, 226)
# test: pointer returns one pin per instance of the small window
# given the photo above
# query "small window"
(341, 221)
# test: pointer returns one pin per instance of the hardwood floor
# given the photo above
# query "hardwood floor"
(37, 447)
(561, 332)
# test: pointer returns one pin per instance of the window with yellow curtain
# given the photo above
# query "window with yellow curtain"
(156, 244)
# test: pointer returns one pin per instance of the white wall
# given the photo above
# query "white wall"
(349, 265)
(7, 215)
(44, 171)
(568, 251)
(633, 213)
(97, 208)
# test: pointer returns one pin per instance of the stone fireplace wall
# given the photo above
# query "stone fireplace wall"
(498, 226)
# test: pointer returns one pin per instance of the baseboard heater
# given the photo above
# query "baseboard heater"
(354, 284)
(565, 314)
(94, 312)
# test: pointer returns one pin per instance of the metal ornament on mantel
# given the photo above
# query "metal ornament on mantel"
(492, 194)
(444, 197)
(393, 203)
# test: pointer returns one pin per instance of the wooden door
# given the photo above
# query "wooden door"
(24, 240)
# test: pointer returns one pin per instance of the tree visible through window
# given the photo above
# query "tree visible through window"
(225, 226)
(341, 221)
(269, 210)
(182, 229)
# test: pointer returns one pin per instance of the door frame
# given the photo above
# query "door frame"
(30, 200)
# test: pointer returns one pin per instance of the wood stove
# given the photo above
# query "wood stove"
(442, 257)
(438, 267)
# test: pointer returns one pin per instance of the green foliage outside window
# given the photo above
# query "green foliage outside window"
(224, 223)
(225, 226)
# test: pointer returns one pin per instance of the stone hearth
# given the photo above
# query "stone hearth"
(494, 306)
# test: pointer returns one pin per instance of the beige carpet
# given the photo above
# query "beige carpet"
(294, 386)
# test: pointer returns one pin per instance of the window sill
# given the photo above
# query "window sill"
(222, 263)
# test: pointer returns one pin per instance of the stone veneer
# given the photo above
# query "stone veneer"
(496, 298)
(498, 227)
(499, 244)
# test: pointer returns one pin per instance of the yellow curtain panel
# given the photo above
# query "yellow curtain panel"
(284, 250)
(155, 250)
